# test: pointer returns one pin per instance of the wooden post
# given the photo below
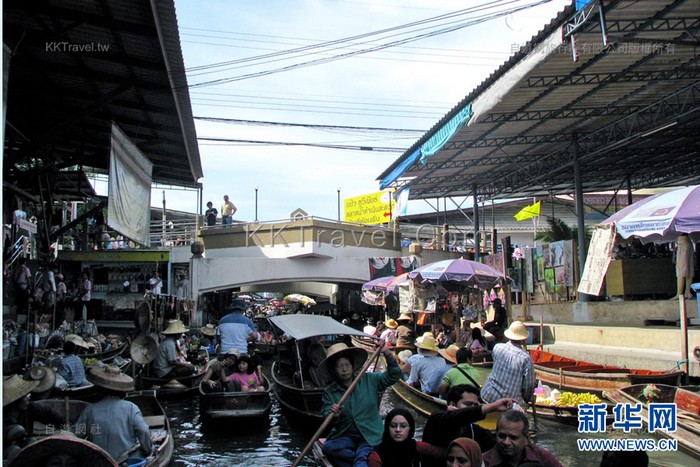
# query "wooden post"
(684, 338)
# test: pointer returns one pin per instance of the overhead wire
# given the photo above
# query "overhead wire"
(355, 52)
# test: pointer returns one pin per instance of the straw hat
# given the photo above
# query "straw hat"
(39, 452)
(77, 340)
(109, 377)
(391, 324)
(175, 326)
(15, 387)
(427, 342)
(517, 331)
(208, 330)
(425, 334)
(45, 375)
(405, 316)
(143, 349)
(233, 351)
(357, 355)
(404, 355)
(450, 353)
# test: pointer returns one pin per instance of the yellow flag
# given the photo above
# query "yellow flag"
(528, 212)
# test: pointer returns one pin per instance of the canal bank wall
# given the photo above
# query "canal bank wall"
(630, 334)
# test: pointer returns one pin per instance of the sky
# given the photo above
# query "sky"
(273, 61)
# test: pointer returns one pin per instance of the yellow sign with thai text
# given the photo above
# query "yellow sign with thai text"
(374, 208)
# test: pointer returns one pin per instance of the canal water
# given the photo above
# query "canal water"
(279, 443)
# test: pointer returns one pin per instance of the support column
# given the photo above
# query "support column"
(477, 235)
(579, 216)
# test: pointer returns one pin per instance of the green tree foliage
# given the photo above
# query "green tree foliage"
(560, 230)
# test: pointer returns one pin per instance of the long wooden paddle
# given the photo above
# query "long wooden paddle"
(342, 400)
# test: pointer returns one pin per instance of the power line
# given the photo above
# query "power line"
(315, 145)
(345, 40)
(306, 125)
(356, 52)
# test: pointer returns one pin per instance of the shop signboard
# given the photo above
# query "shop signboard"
(373, 208)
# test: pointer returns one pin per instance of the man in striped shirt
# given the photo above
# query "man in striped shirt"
(513, 373)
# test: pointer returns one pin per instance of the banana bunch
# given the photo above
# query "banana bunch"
(91, 362)
(570, 399)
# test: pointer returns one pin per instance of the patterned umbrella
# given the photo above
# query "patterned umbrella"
(299, 298)
(388, 284)
(661, 218)
(459, 270)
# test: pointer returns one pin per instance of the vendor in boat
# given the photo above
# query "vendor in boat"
(513, 373)
(166, 364)
(499, 322)
(462, 373)
(464, 409)
(112, 423)
(356, 426)
(218, 370)
(404, 334)
(313, 357)
(208, 340)
(425, 363)
(16, 393)
(71, 368)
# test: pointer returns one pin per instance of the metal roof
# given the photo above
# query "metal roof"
(628, 111)
(75, 66)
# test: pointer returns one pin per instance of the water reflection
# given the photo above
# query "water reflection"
(279, 443)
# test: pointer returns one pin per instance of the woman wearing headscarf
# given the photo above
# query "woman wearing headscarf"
(464, 452)
(398, 448)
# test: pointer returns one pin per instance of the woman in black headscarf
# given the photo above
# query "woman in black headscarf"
(398, 448)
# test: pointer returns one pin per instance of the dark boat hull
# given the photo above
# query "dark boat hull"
(189, 386)
(303, 406)
(578, 376)
(236, 406)
(688, 411)
(50, 413)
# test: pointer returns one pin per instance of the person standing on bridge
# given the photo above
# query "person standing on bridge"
(228, 209)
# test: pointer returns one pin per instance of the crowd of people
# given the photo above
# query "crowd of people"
(359, 435)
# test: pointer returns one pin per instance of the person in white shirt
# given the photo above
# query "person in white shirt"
(156, 284)
(370, 328)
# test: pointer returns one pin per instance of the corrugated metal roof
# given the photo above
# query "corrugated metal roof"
(76, 66)
(627, 110)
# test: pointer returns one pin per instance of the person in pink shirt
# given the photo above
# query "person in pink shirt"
(245, 376)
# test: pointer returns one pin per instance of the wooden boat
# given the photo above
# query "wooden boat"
(88, 391)
(567, 415)
(50, 414)
(426, 404)
(317, 450)
(248, 407)
(299, 398)
(172, 388)
(14, 365)
(578, 376)
(687, 411)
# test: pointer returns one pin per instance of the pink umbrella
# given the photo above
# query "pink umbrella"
(661, 218)
(460, 270)
(389, 284)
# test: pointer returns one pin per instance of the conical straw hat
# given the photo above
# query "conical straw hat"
(15, 387)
